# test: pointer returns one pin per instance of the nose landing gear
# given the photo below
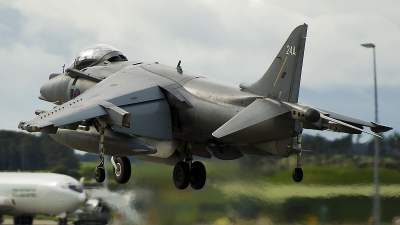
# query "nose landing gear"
(100, 173)
(121, 164)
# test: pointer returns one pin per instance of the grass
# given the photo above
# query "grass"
(338, 176)
(225, 171)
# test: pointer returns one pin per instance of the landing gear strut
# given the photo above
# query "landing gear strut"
(100, 173)
(297, 173)
(121, 164)
(188, 172)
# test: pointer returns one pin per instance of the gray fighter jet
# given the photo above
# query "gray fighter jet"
(108, 105)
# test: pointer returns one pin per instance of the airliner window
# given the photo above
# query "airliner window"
(76, 188)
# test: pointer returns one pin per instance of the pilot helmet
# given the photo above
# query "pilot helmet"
(95, 55)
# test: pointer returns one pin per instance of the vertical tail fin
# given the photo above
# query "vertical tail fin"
(282, 79)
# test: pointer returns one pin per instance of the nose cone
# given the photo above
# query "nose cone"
(55, 89)
(47, 91)
(82, 197)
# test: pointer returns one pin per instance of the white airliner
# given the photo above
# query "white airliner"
(24, 195)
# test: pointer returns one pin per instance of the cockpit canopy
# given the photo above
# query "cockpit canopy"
(96, 54)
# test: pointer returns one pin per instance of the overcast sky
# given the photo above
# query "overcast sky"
(230, 40)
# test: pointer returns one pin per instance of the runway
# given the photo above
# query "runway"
(9, 221)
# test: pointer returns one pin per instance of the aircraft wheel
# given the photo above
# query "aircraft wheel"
(62, 221)
(122, 173)
(297, 174)
(198, 175)
(17, 220)
(100, 175)
(181, 175)
(29, 220)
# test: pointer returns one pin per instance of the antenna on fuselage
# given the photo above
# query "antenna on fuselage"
(63, 67)
(178, 67)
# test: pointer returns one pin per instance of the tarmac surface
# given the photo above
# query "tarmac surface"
(9, 221)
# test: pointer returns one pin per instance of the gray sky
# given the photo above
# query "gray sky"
(233, 40)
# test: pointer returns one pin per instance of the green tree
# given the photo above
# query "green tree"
(57, 154)
(63, 169)
(24, 151)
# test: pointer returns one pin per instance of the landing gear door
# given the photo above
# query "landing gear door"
(149, 119)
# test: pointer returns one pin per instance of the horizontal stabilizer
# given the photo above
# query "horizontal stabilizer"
(347, 125)
(379, 128)
(339, 122)
(257, 112)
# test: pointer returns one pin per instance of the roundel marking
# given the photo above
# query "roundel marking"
(77, 92)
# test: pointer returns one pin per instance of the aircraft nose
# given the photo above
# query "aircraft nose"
(46, 90)
(82, 197)
(56, 88)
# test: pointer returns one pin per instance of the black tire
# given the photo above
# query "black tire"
(62, 221)
(124, 174)
(17, 220)
(181, 175)
(29, 220)
(100, 175)
(297, 174)
(198, 175)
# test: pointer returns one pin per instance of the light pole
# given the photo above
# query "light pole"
(376, 208)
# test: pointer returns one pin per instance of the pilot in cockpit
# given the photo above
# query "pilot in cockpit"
(96, 55)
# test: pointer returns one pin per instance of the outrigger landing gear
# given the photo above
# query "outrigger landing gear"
(188, 172)
(297, 173)
(100, 173)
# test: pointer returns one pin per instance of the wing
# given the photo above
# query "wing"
(113, 100)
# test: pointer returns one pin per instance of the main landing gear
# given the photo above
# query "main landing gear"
(121, 164)
(62, 221)
(297, 173)
(187, 172)
(23, 220)
(121, 168)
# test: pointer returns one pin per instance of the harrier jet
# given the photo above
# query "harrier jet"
(109, 105)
